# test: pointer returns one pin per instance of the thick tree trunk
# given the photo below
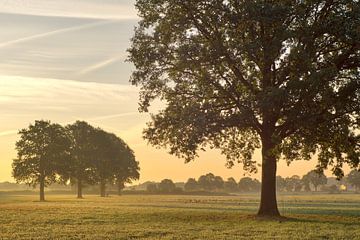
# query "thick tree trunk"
(79, 189)
(268, 203)
(42, 189)
(102, 189)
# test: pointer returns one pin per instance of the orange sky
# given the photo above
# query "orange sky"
(112, 107)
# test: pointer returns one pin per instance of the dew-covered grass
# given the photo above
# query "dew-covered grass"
(311, 216)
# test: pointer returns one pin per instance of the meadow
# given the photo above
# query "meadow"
(311, 216)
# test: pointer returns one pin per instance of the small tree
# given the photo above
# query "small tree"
(126, 167)
(293, 183)
(166, 186)
(218, 183)
(316, 178)
(191, 185)
(42, 155)
(353, 178)
(280, 183)
(230, 185)
(306, 182)
(152, 188)
(206, 182)
(247, 184)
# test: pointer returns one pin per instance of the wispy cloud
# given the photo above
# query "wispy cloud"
(114, 116)
(65, 101)
(97, 9)
(94, 119)
(8, 133)
(55, 32)
(101, 64)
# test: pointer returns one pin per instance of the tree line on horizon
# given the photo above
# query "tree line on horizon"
(77, 154)
(311, 181)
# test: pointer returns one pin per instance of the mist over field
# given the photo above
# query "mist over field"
(165, 119)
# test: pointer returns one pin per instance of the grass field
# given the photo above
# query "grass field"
(177, 217)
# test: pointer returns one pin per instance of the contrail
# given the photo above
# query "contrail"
(113, 116)
(55, 32)
(100, 65)
(8, 133)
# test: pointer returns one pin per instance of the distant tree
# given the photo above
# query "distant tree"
(166, 186)
(42, 155)
(247, 184)
(107, 158)
(230, 185)
(126, 175)
(280, 183)
(353, 178)
(256, 185)
(289, 186)
(218, 183)
(82, 152)
(293, 184)
(315, 178)
(152, 188)
(333, 189)
(306, 182)
(191, 185)
(126, 168)
(206, 182)
(240, 75)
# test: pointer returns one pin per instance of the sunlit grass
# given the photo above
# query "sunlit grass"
(177, 217)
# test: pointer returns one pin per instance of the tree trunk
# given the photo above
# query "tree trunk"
(79, 189)
(42, 189)
(268, 203)
(102, 188)
(120, 187)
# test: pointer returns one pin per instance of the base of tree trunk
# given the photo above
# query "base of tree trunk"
(272, 218)
(269, 214)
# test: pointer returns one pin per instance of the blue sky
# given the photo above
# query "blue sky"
(78, 40)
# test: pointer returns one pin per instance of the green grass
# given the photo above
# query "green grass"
(177, 217)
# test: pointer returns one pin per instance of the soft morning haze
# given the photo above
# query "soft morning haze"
(65, 61)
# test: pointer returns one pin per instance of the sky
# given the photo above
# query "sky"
(65, 61)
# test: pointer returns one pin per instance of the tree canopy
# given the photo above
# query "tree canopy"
(42, 155)
(167, 186)
(247, 184)
(239, 75)
(82, 150)
(113, 160)
(191, 185)
(315, 178)
(354, 179)
(49, 153)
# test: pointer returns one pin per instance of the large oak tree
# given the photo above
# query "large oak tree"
(238, 75)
